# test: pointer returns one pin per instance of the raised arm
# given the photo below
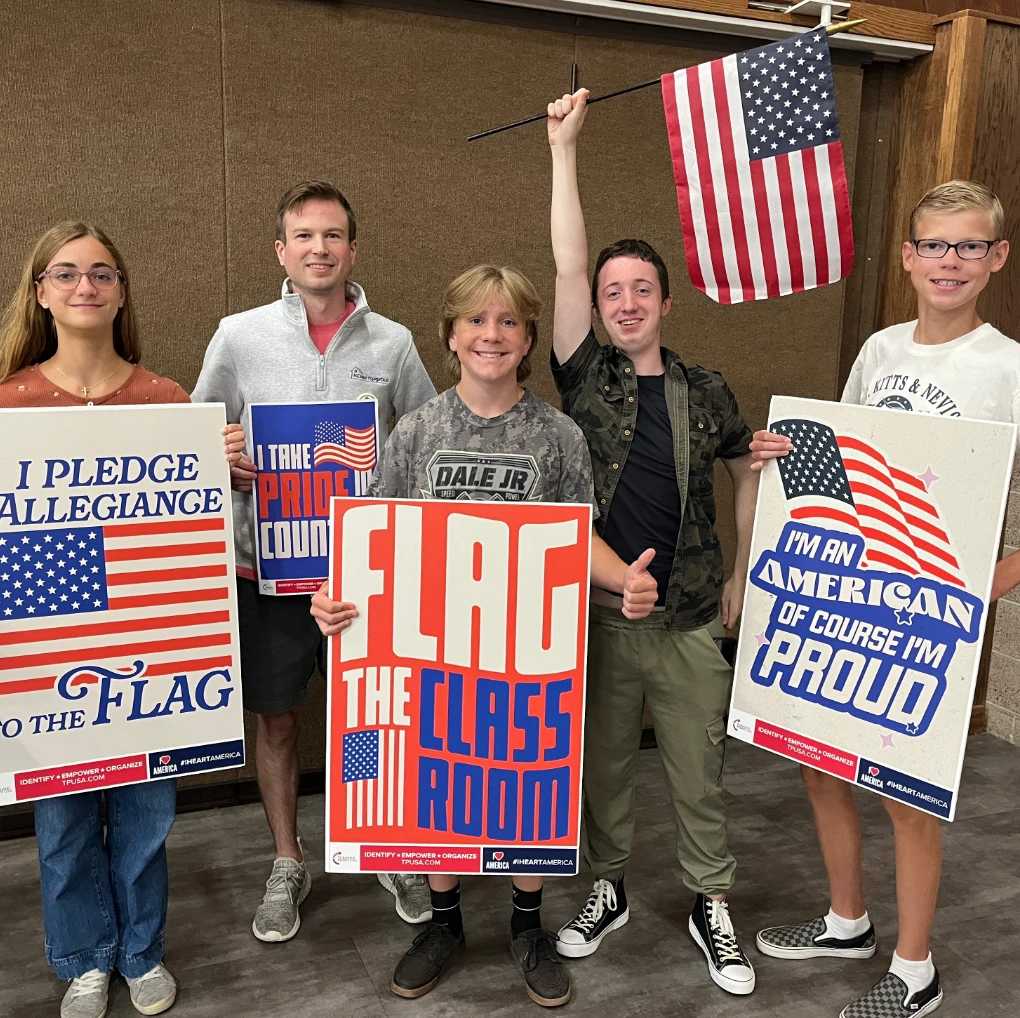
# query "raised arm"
(572, 315)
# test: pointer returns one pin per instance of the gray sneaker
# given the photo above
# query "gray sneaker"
(154, 992)
(278, 918)
(411, 890)
(86, 996)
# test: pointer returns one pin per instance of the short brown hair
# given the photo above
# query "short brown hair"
(312, 190)
(959, 196)
(630, 249)
(28, 334)
(472, 291)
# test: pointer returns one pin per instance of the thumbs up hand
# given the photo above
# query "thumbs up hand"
(640, 591)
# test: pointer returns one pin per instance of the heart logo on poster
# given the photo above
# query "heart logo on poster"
(873, 771)
(497, 856)
(165, 759)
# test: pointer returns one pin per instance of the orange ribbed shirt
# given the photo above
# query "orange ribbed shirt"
(29, 387)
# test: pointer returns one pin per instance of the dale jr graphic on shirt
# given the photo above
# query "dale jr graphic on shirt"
(482, 477)
(875, 541)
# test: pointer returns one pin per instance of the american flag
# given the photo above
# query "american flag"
(759, 171)
(838, 478)
(350, 447)
(373, 776)
(98, 595)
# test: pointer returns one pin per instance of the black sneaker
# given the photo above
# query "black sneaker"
(812, 940)
(890, 998)
(547, 977)
(712, 931)
(601, 915)
(419, 970)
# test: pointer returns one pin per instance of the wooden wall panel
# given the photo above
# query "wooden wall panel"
(922, 98)
(996, 162)
(870, 199)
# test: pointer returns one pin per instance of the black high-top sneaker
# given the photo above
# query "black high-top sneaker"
(712, 931)
(603, 912)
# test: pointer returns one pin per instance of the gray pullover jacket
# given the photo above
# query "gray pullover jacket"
(266, 355)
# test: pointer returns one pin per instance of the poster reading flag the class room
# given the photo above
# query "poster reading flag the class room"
(456, 698)
(306, 453)
(871, 568)
(118, 616)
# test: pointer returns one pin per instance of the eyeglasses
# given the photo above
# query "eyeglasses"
(63, 277)
(968, 250)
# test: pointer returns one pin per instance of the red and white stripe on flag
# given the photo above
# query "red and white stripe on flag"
(759, 171)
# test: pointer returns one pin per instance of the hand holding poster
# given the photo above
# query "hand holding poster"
(118, 618)
(456, 698)
(871, 566)
(306, 453)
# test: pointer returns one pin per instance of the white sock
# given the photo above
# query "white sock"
(916, 974)
(846, 929)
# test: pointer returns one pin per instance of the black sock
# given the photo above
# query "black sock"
(446, 909)
(527, 911)
(621, 893)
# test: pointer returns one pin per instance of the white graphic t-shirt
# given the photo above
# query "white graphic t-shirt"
(976, 376)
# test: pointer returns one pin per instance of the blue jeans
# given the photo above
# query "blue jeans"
(104, 899)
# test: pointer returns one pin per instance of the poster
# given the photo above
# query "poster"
(118, 615)
(456, 699)
(306, 453)
(871, 567)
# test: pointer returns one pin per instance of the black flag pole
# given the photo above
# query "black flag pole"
(839, 26)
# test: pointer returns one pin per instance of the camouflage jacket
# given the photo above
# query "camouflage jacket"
(600, 392)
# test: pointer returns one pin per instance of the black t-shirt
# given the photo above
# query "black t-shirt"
(646, 509)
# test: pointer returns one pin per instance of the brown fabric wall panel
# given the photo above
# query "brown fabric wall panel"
(997, 163)
(112, 113)
(392, 134)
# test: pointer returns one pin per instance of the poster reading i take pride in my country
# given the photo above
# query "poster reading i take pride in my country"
(118, 618)
(306, 453)
(456, 698)
(871, 566)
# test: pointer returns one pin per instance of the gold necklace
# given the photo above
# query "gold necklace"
(85, 389)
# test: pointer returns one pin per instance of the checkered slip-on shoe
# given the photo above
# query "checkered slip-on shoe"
(811, 940)
(890, 998)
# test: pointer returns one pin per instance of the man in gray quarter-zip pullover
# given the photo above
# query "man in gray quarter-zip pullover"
(319, 342)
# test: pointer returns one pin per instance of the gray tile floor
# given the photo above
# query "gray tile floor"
(340, 963)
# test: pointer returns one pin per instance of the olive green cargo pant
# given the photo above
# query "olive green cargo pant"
(686, 682)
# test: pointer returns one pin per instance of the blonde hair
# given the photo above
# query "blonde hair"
(28, 334)
(959, 196)
(473, 290)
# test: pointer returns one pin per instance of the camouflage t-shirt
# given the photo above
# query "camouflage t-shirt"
(531, 453)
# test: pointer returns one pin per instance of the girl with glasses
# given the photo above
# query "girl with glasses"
(70, 338)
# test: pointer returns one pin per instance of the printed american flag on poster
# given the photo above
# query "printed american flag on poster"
(373, 777)
(838, 478)
(759, 171)
(99, 593)
(350, 447)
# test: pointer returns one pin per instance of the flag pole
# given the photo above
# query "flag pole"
(839, 26)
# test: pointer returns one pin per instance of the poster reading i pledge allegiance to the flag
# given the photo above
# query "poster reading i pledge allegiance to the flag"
(306, 453)
(456, 698)
(118, 617)
(871, 567)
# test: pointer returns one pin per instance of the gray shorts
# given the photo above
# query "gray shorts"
(280, 648)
